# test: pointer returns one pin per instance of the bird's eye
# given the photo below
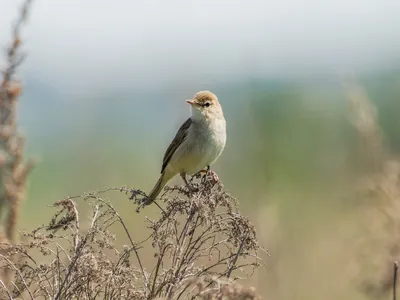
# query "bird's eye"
(207, 104)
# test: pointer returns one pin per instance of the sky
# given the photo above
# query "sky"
(77, 45)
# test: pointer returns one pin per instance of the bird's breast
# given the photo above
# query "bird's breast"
(202, 146)
(209, 142)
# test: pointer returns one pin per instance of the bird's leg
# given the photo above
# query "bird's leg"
(205, 171)
(213, 174)
(188, 185)
(198, 174)
(183, 175)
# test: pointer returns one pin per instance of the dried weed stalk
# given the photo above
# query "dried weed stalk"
(364, 116)
(201, 246)
(377, 245)
(13, 168)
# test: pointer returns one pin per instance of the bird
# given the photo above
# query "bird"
(197, 144)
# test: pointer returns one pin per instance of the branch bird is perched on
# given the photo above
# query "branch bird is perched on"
(197, 144)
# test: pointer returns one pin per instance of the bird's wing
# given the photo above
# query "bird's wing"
(176, 142)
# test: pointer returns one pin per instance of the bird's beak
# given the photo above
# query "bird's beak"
(191, 102)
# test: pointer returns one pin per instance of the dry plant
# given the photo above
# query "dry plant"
(13, 168)
(201, 246)
(364, 116)
(377, 245)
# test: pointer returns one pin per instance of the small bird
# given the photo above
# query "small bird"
(197, 144)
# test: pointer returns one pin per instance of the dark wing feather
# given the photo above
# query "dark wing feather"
(178, 139)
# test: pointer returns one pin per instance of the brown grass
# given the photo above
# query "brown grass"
(13, 168)
(202, 245)
(376, 242)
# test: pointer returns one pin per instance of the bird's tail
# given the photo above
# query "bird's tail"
(162, 181)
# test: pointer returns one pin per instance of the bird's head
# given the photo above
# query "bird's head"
(205, 104)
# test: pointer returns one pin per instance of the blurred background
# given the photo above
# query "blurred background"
(104, 90)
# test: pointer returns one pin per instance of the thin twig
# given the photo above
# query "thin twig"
(228, 274)
(395, 268)
(70, 268)
(130, 239)
(6, 289)
(19, 273)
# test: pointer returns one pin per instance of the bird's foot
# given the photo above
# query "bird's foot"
(189, 186)
(208, 171)
(214, 176)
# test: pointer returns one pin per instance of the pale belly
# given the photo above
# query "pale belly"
(197, 159)
(199, 150)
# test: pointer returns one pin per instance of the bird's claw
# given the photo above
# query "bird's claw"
(214, 176)
(212, 173)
